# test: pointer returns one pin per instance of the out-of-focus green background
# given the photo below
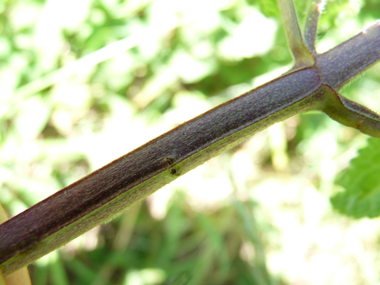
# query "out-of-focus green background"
(84, 82)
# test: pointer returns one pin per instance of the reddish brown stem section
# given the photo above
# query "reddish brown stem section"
(107, 191)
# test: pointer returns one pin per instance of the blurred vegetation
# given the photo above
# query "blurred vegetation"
(84, 82)
(362, 184)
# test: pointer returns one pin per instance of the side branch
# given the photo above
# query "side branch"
(302, 56)
(311, 23)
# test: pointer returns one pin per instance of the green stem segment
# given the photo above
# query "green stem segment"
(302, 56)
(311, 24)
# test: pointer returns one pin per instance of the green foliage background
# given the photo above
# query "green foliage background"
(84, 82)
(361, 181)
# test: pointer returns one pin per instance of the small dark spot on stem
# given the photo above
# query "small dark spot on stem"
(170, 160)
(27, 245)
(173, 171)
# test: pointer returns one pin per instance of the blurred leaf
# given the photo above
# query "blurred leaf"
(40, 276)
(371, 8)
(361, 181)
(182, 279)
(84, 273)
(260, 273)
(58, 272)
(267, 7)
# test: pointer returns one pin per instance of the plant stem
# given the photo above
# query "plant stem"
(302, 56)
(311, 24)
(344, 62)
(104, 193)
(101, 195)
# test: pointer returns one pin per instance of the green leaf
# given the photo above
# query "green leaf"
(268, 8)
(361, 181)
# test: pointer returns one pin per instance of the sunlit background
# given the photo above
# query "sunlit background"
(84, 82)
